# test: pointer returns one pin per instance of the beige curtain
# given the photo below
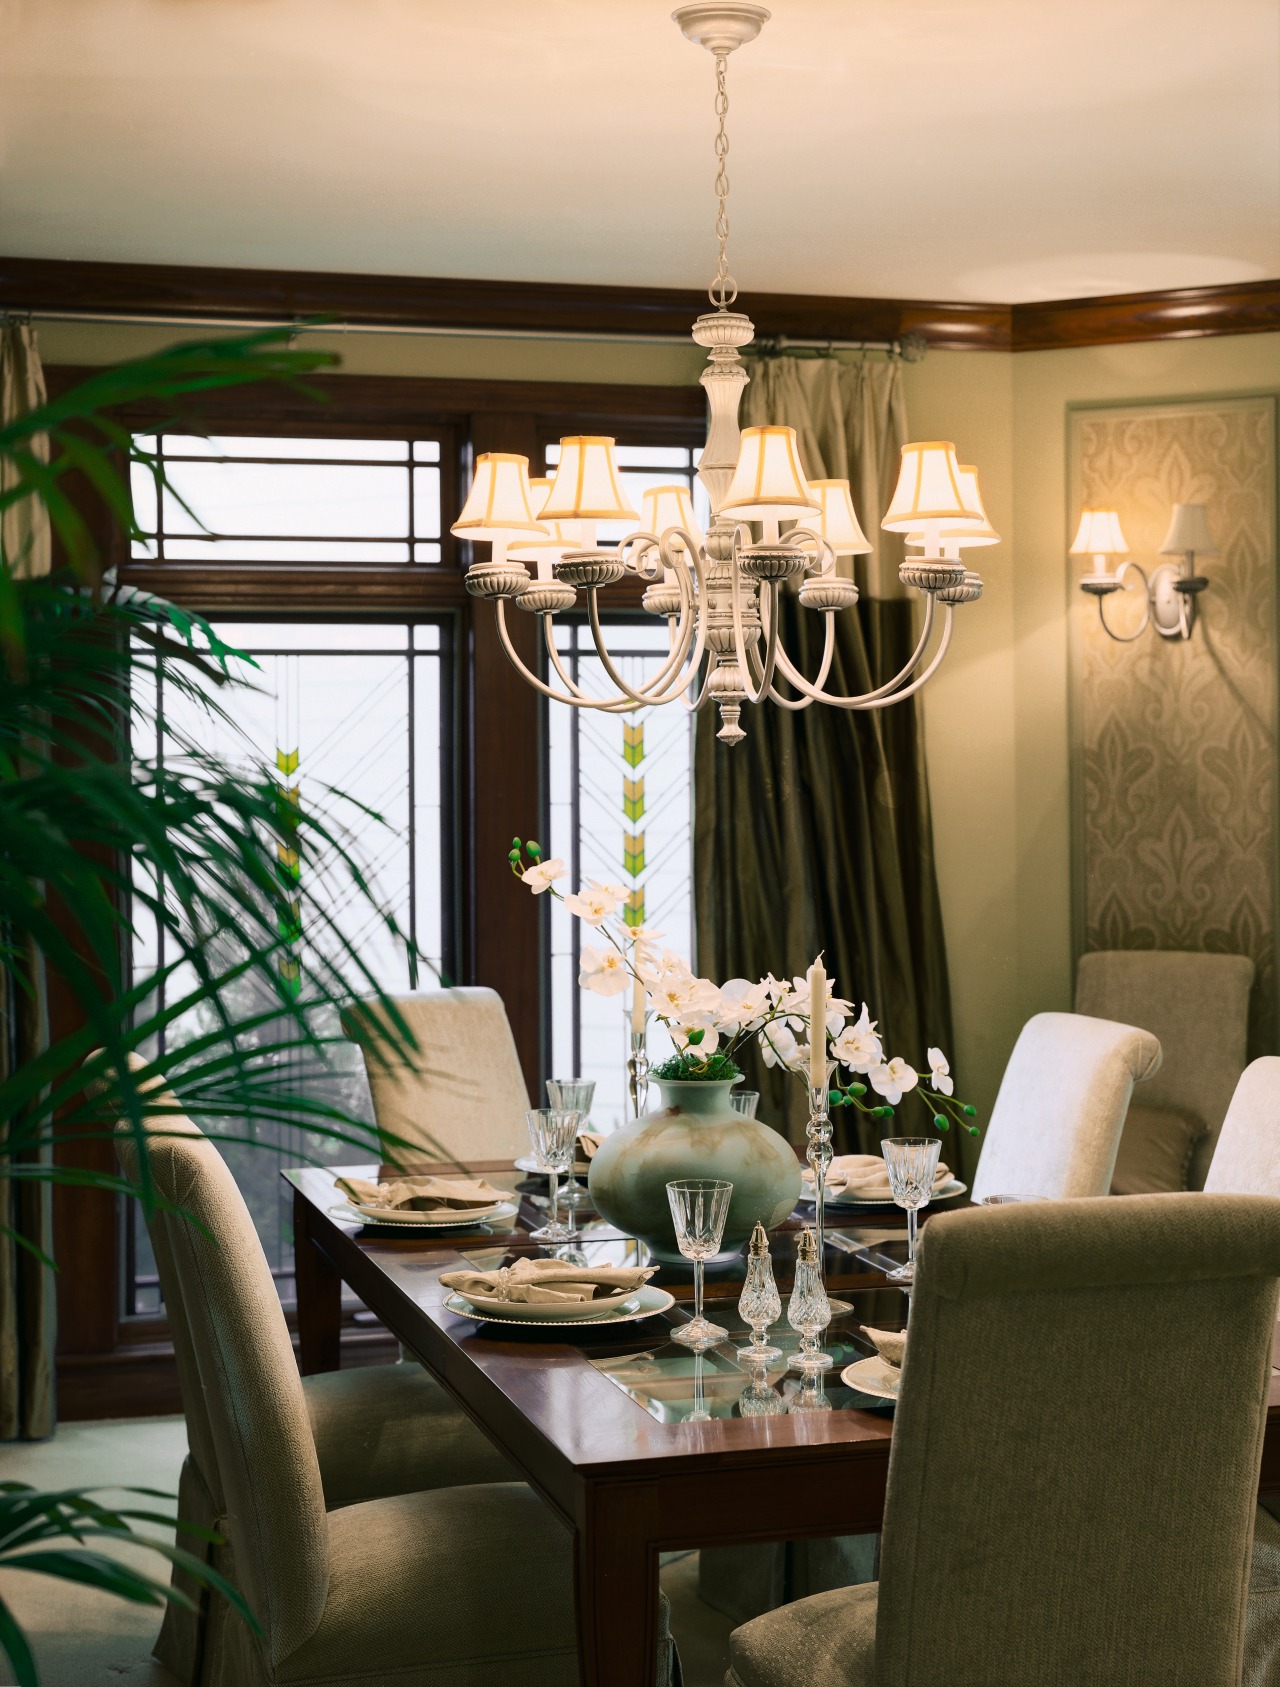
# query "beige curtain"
(814, 833)
(24, 526)
(27, 1302)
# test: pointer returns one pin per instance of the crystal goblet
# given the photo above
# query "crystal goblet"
(911, 1162)
(553, 1132)
(576, 1093)
(699, 1207)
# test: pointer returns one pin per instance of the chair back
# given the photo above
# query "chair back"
(1197, 1006)
(248, 1398)
(1056, 1124)
(1246, 1158)
(462, 1090)
(1080, 1419)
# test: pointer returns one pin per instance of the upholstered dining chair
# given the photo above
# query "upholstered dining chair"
(363, 1522)
(462, 1090)
(1079, 1423)
(1197, 1006)
(1056, 1123)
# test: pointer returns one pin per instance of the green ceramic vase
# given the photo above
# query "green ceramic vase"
(694, 1133)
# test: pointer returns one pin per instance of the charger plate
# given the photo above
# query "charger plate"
(644, 1303)
(452, 1220)
(874, 1376)
(948, 1192)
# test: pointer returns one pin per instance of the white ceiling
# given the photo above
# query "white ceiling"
(967, 149)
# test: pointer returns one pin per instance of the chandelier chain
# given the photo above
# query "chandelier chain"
(724, 289)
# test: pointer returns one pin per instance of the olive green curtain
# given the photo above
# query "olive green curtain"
(27, 1304)
(814, 834)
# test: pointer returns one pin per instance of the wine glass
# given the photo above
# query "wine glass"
(576, 1093)
(699, 1207)
(745, 1102)
(553, 1131)
(912, 1162)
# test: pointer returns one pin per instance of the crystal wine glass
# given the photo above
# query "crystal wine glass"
(912, 1162)
(808, 1309)
(699, 1207)
(760, 1304)
(553, 1131)
(745, 1102)
(576, 1093)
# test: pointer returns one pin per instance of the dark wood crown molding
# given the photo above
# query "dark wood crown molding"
(181, 292)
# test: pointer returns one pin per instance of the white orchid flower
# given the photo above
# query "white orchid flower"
(857, 1046)
(742, 1005)
(592, 906)
(619, 893)
(542, 876)
(672, 995)
(893, 1079)
(779, 1046)
(675, 965)
(706, 1044)
(940, 1072)
(604, 971)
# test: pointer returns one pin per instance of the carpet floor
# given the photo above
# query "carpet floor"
(82, 1638)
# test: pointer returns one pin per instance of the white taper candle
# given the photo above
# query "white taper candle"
(817, 1026)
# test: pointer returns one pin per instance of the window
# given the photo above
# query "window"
(237, 499)
(361, 706)
(620, 805)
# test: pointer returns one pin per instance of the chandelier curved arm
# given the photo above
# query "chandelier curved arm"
(874, 702)
(891, 687)
(652, 693)
(574, 697)
(819, 680)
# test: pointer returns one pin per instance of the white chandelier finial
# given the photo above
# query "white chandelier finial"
(719, 593)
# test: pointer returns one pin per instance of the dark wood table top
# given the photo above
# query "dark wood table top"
(551, 1384)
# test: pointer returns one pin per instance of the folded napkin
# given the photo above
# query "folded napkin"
(421, 1194)
(589, 1142)
(547, 1281)
(891, 1344)
(868, 1176)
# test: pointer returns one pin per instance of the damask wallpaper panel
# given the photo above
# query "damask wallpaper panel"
(1176, 842)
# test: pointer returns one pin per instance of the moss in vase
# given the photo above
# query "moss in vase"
(691, 1067)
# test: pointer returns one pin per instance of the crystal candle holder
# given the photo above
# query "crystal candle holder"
(818, 1132)
(638, 1073)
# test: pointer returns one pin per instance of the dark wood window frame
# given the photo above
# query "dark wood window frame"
(112, 1366)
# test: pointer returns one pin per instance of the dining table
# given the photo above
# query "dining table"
(638, 1443)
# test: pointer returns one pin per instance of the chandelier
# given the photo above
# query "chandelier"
(719, 591)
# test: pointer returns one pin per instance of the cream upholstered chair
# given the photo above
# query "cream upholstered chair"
(1079, 1423)
(1057, 1120)
(352, 1578)
(462, 1090)
(1246, 1158)
(1197, 1005)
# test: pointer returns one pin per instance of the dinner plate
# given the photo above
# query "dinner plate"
(551, 1311)
(648, 1303)
(527, 1163)
(873, 1376)
(453, 1220)
(948, 1192)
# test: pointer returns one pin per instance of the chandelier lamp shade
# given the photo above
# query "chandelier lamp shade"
(719, 591)
(1170, 591)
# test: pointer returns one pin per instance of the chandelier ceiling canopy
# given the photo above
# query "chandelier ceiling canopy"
(719, 591)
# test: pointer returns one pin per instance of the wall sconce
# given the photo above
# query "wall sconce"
(1170, 592)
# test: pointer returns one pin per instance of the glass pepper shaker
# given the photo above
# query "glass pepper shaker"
(760, 1304)
(809, 1310)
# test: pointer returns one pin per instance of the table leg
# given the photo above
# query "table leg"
(319, 1290)
(616, 1588)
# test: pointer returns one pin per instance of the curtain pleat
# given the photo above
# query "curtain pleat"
(27, 1300)
(814, 833)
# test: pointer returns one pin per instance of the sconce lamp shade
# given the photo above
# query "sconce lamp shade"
(586, 485)
(662, 507)
(499, 506)
(1099, 535)
(930, 490)
(966, 532)
(837, 520)
(556, 541)
(768, 483)
(1188, 531)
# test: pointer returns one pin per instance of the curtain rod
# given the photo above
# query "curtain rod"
(911, 347)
